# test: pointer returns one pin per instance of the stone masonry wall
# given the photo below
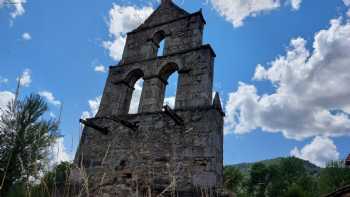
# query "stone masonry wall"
(173, 152)
(159, 153)
(195, 82)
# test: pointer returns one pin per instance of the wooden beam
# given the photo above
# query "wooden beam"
(90, 124)
(172, 114)
(125, 123)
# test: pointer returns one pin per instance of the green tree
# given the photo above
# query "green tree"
(295, 190)
(24, 140)
(258, 181)
(292, 169)
(233, 179)
(290, 176)
(334, 176)
(277, 185)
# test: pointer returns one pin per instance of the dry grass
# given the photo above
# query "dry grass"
(143, 185)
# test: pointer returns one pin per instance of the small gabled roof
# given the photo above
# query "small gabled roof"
(167, 11)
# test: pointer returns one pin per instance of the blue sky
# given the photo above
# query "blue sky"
(294, 103)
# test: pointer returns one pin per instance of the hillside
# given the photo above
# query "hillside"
(245, 167)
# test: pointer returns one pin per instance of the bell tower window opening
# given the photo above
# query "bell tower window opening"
(134, 82)
(160, 51)
(170, 90)
(170, 75)
(159, 40)
(136, 97)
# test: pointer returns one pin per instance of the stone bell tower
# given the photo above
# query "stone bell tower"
(159, 150)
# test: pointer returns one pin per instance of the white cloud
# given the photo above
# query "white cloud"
(295, 4)
(236, 11)
(58, 153)
(17, 7)
(136, 97)
(50, 97)
(100, 68)
(311, 96)
(26, 36)
(3, 80)
(320, 151)
(123, 19)
(94, 104)
(26, 78)
(347, 3)
(5, 98)
(170, 101)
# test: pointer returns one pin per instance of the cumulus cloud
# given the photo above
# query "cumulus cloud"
(50, 97)
(170, 101)
(26, 36)
(295, 4)
(320, 151)
(347, 3)
(25, 79)
(94, 104)
(311, 97)
(58, 153)
(17, 7)
(100, 68)
(123, 19)
(236, 11)
(136, 97)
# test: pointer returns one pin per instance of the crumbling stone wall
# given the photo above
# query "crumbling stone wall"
(157, 154)
(159, 150)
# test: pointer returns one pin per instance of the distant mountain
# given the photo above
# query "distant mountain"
(245, 167)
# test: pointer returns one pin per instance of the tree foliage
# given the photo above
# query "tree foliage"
(233, 179)
(24, 140)
(334, 176)
(286, 178)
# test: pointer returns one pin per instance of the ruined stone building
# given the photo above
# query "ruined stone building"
(159, 150)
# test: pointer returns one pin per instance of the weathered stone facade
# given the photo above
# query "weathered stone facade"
(173, 152)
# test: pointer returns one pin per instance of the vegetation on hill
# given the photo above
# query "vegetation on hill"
(245, 168)
(285, 177)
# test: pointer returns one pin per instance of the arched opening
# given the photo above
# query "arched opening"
(170, 90)
(170, 75)
(161, 48)
(136, 97)
(159, 41)
(135, 82)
